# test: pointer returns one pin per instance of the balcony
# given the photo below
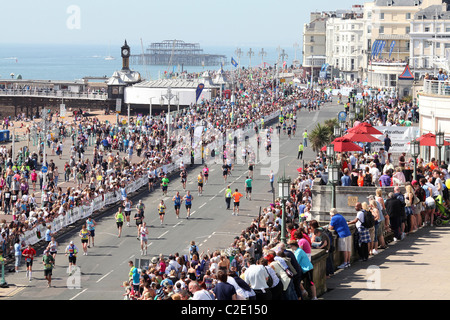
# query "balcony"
(436, 87)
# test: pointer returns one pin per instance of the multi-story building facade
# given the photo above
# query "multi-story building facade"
(430, 40)
(314, 42)
(387, 33)
(344, 39)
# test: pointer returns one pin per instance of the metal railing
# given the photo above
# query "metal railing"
(437, 87)
(55, 94)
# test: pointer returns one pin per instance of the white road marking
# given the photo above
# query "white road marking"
(163, 234)
(78, 294)
(104, 276)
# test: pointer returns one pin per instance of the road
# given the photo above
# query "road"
(211, 226)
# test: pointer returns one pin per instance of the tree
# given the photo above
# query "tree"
(320, 136)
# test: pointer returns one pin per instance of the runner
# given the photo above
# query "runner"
(183, 176)
(251, 167)
(248, 188)
(271, 180)
(143, 231)
(127, 208)
(225, 172)
(177, 204)
(29, 253)
(84, 235)
(206, 173)
(90, 223)
(119, 220)
(161, 211)
(151, 179)
(53, 248)
(49, 262)
(164, 184)
(139, 216)
(71, 251)
(200, 183)
(236, 196)
(188, 202)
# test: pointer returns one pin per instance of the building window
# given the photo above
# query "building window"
(312, 39)
(427, 29)
(311, 49)
(408, 30)
(382, 16)
(381, 30)
(408, 16)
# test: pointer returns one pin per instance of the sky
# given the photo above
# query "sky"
(208, 22)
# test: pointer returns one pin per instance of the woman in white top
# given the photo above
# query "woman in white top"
(143, 231)
(53, 247)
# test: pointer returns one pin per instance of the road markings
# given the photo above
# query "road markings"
(78, 294)
(163, 234)
(202, 205)
(104, 276)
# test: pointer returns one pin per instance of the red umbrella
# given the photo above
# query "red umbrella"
(344, 144)
(324, 148)
(358, 135)
(365, 128)
(429, 140)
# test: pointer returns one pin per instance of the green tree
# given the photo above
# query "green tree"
(320, 136)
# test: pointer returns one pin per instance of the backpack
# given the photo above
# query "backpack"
(369, 220)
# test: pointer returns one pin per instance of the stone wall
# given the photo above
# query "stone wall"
(346, 198)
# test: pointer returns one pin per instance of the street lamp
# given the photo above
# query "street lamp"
(283, 192)
(333, 179)
(169, 96)
(439, 144)
(330, 152)
(358, 111)
(337, 131)
(415, 152)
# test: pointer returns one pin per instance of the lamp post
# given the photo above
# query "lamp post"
(169, 96)
(151, 106)
(332, 173)
(415, 152)
(358, 111)
(283, 191)
(337, 131)
(333, 176)
(439, 144)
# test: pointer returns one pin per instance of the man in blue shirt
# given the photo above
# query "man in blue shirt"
(339, 224)
(345, 179)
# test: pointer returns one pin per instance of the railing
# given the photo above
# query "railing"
(55, 94)
(437, 87)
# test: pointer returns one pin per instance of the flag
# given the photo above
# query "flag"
(199, 91)
(284, 65)
(233, 62)
(392, 48)
(383, 44)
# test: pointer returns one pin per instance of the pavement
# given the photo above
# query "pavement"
(412, 269)
(20, 129)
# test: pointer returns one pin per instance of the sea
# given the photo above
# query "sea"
(69, 62)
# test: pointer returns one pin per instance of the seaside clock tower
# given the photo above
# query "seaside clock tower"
(125, 52)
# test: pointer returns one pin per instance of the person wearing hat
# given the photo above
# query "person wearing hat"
(48, 261)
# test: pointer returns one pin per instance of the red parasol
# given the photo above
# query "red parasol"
(365, 127)
(344, 144)
(429, 140)
(359, 135)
